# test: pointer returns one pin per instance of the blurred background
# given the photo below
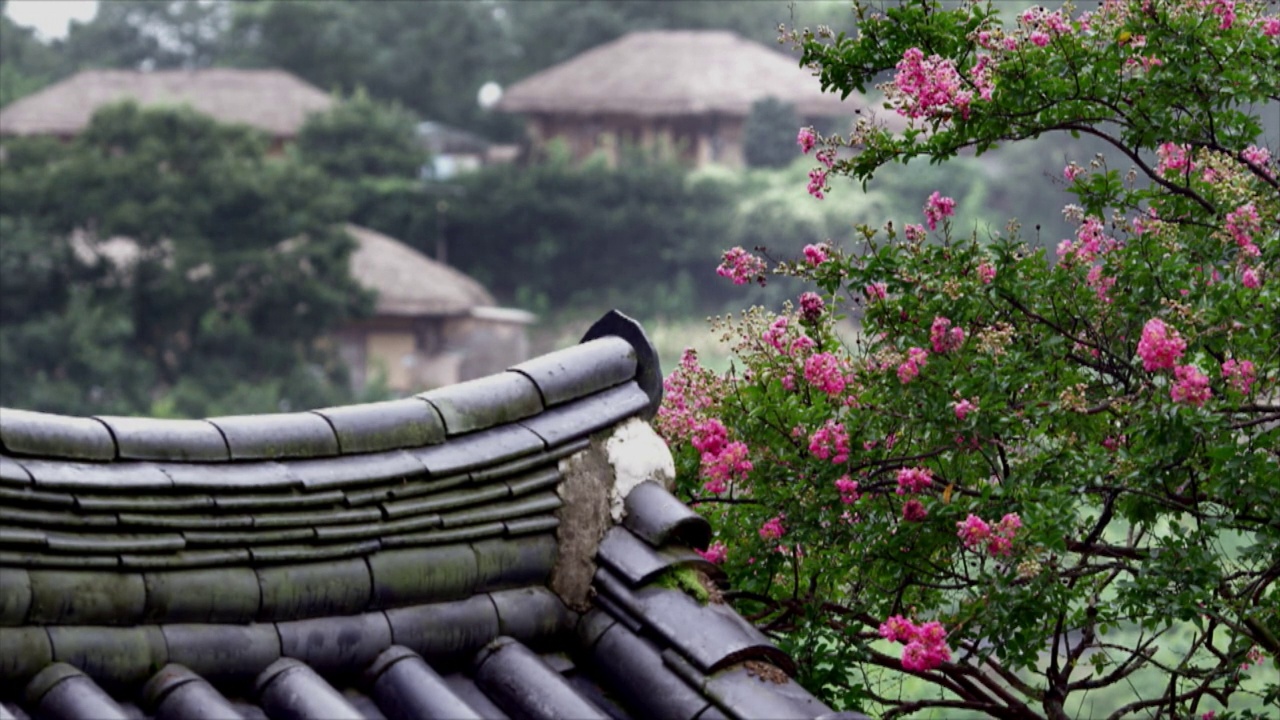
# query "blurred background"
(214, 207)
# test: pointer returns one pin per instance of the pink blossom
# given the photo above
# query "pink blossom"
(913, 511)
(687, 394)
(897, 628)
(1038, 38)
(730, 464)
(1242, 223)
(801, 344)
(1101, 284)
(876, 291)
(1072, 171)
(985, 40)
(1210, 715)
(806, 139)
(1253, 657)
(772, 529)
(944, 337)
(914, 480)
(710, 437)
(1174, 158)
(741, 266)
(1226, 10)
(1113, 443)
(963, 408)
(1249, 278)
(914, 233)
(917, 358)
(1190, 386)
(1254, 154)
(811, 306)
(830, 442)
(937, 207)
(929, 87)
(817, 182)
(986, 273)
(980, 76)
(776, 334)
(925, 645)
(1160, 347)
(1010, 43)
(827, 157)
(1241, 375)
(815, 255)
(825, 372)
(716, 553)
(1271, 27)
(848, 490)
(973, 531)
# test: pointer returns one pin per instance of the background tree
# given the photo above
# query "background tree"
(234, 265)
(768, 136)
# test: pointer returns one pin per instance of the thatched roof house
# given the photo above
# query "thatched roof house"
(273, 101)
(689, 89)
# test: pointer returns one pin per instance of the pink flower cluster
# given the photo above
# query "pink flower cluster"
(741, 266)
(830, 442)
(1249, 278)
(1226, 11)
(688, 392)
(817, 183)
(826, 372)
(937, 207)
(917, 358)
(811, 306)
(806, 139)
(980, 76)
(944, 337)
(929, 87)
(963, 408)
(986, 273)
(1242, 223)
(1100, 283)
(772, 529)
(1072, 171)
(1190, 386)
(848, 490)
(715, 553)
(914, 233)
(1174, 158)
(876, 291)
(780, 338)
(913, 511)
(926, 645)
(1271, 27)
(1160, 347)
(975, 531)
(815, 255)
(1239, 374)
(1091, 241)
(722, 461)
(914, 480)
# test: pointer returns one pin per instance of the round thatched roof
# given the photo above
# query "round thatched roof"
(270, 100)
(675, 72)
(408, 282)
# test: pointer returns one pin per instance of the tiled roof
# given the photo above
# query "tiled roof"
(452, 555)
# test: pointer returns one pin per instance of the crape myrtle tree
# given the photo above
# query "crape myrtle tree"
(1038, 482)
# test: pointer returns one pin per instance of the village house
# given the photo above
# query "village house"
(432, 324)
(685, 93)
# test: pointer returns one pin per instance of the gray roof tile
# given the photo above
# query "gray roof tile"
(485, 402)
(520, 683)
(406, 688)
(648, 369)
(587, 415)
(176, 693)
(657, 517)
(384, 425)
(581, 370)
(289, 690)
(271, 437)
(23, 432)
(140, 438)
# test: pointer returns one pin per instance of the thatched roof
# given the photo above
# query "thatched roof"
(408, 282)
(270, 100)
(675, 72)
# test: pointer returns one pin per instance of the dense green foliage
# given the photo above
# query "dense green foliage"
(1034, 484)
(232, 268)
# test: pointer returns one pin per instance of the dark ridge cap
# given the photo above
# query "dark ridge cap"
(406, 687)
(335, 644)
(485, 402)
(639, 563)
(143, 438)
(290, 689)
(25, 432)
(389, 425)
(354, 471)
(177, 692)
(276, 436)
(580, 370)
(632, 668)
(125, 476)
(27, 650)
(523, 685)
(711, 636)
(584, 416)
(36, 497)
(43, 519)
(658, 517)
(742, 694)
(15, 596)
(256, 476)
(487, 447)
(648, 369)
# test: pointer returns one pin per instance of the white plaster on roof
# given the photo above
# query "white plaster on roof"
(637, 455)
